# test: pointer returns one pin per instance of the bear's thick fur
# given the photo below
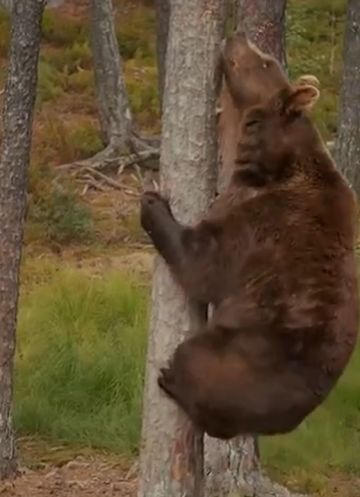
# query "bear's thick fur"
(279, 267)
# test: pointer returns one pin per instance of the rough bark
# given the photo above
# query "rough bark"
(264, 23)
(14, 159)
(171, 456)
(348, 139)
(113, 104)
(162, 31)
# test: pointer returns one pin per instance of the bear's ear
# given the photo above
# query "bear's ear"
(301, 99)
(308, 79)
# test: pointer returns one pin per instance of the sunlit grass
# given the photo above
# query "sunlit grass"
(80, 359)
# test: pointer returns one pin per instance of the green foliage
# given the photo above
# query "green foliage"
(49, 83)
(314, 44)
(56, 214)
(78, 54)
(61, 30)
(81, 81)
(87, 337)
(72, 141)
(141, 83)
(85, 140)
(136, 34)
(80, 361)
(63, 70)
(64, 217)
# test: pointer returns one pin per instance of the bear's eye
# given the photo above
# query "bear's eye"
(252, 123)
(232, 62)
(266, 64)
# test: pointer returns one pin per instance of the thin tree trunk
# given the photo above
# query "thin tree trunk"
(117, 126)
(113, 103)
(162, 32)
(171, 456)
(348, 139)
(20, 94)
(264, 23)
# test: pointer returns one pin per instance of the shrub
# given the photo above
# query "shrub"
(85, 140)
(136, 34)
(65, 219)
(73, 140)
(62, 30)
(141, 83)
(50, 83)
(81, 81)
(78, 54)
(56, 215)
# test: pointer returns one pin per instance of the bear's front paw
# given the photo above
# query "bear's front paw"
(152, 205)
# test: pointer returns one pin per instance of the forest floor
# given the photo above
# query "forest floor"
(95, 475)
(90, 476)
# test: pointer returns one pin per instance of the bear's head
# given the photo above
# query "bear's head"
(273, 136)
(250, 77)
(250, 74)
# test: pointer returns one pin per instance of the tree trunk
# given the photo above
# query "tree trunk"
(348, 140)
(171, 456)
(20, 94)
(6, 4)
(162, 31)
(234, 466)
(113, 103)
(264, 23)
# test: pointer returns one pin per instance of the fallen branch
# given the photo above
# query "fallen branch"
(105, 162)
(90, 181)
(111, 182)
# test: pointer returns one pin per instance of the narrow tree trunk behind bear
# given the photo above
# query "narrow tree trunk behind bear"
(348, 140)
(264, 23)
(113, 104)
(20, 94)
(162, 32)
(171, 456)
(234, 466)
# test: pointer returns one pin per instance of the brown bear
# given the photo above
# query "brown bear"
(279, 267)
(249, 77)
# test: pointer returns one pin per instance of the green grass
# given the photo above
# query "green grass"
(80, 365)
(314, 45)
(80, 360)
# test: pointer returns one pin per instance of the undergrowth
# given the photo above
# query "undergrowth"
(56, 213)
(80, 360)
(80, 365)
(314, 42)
